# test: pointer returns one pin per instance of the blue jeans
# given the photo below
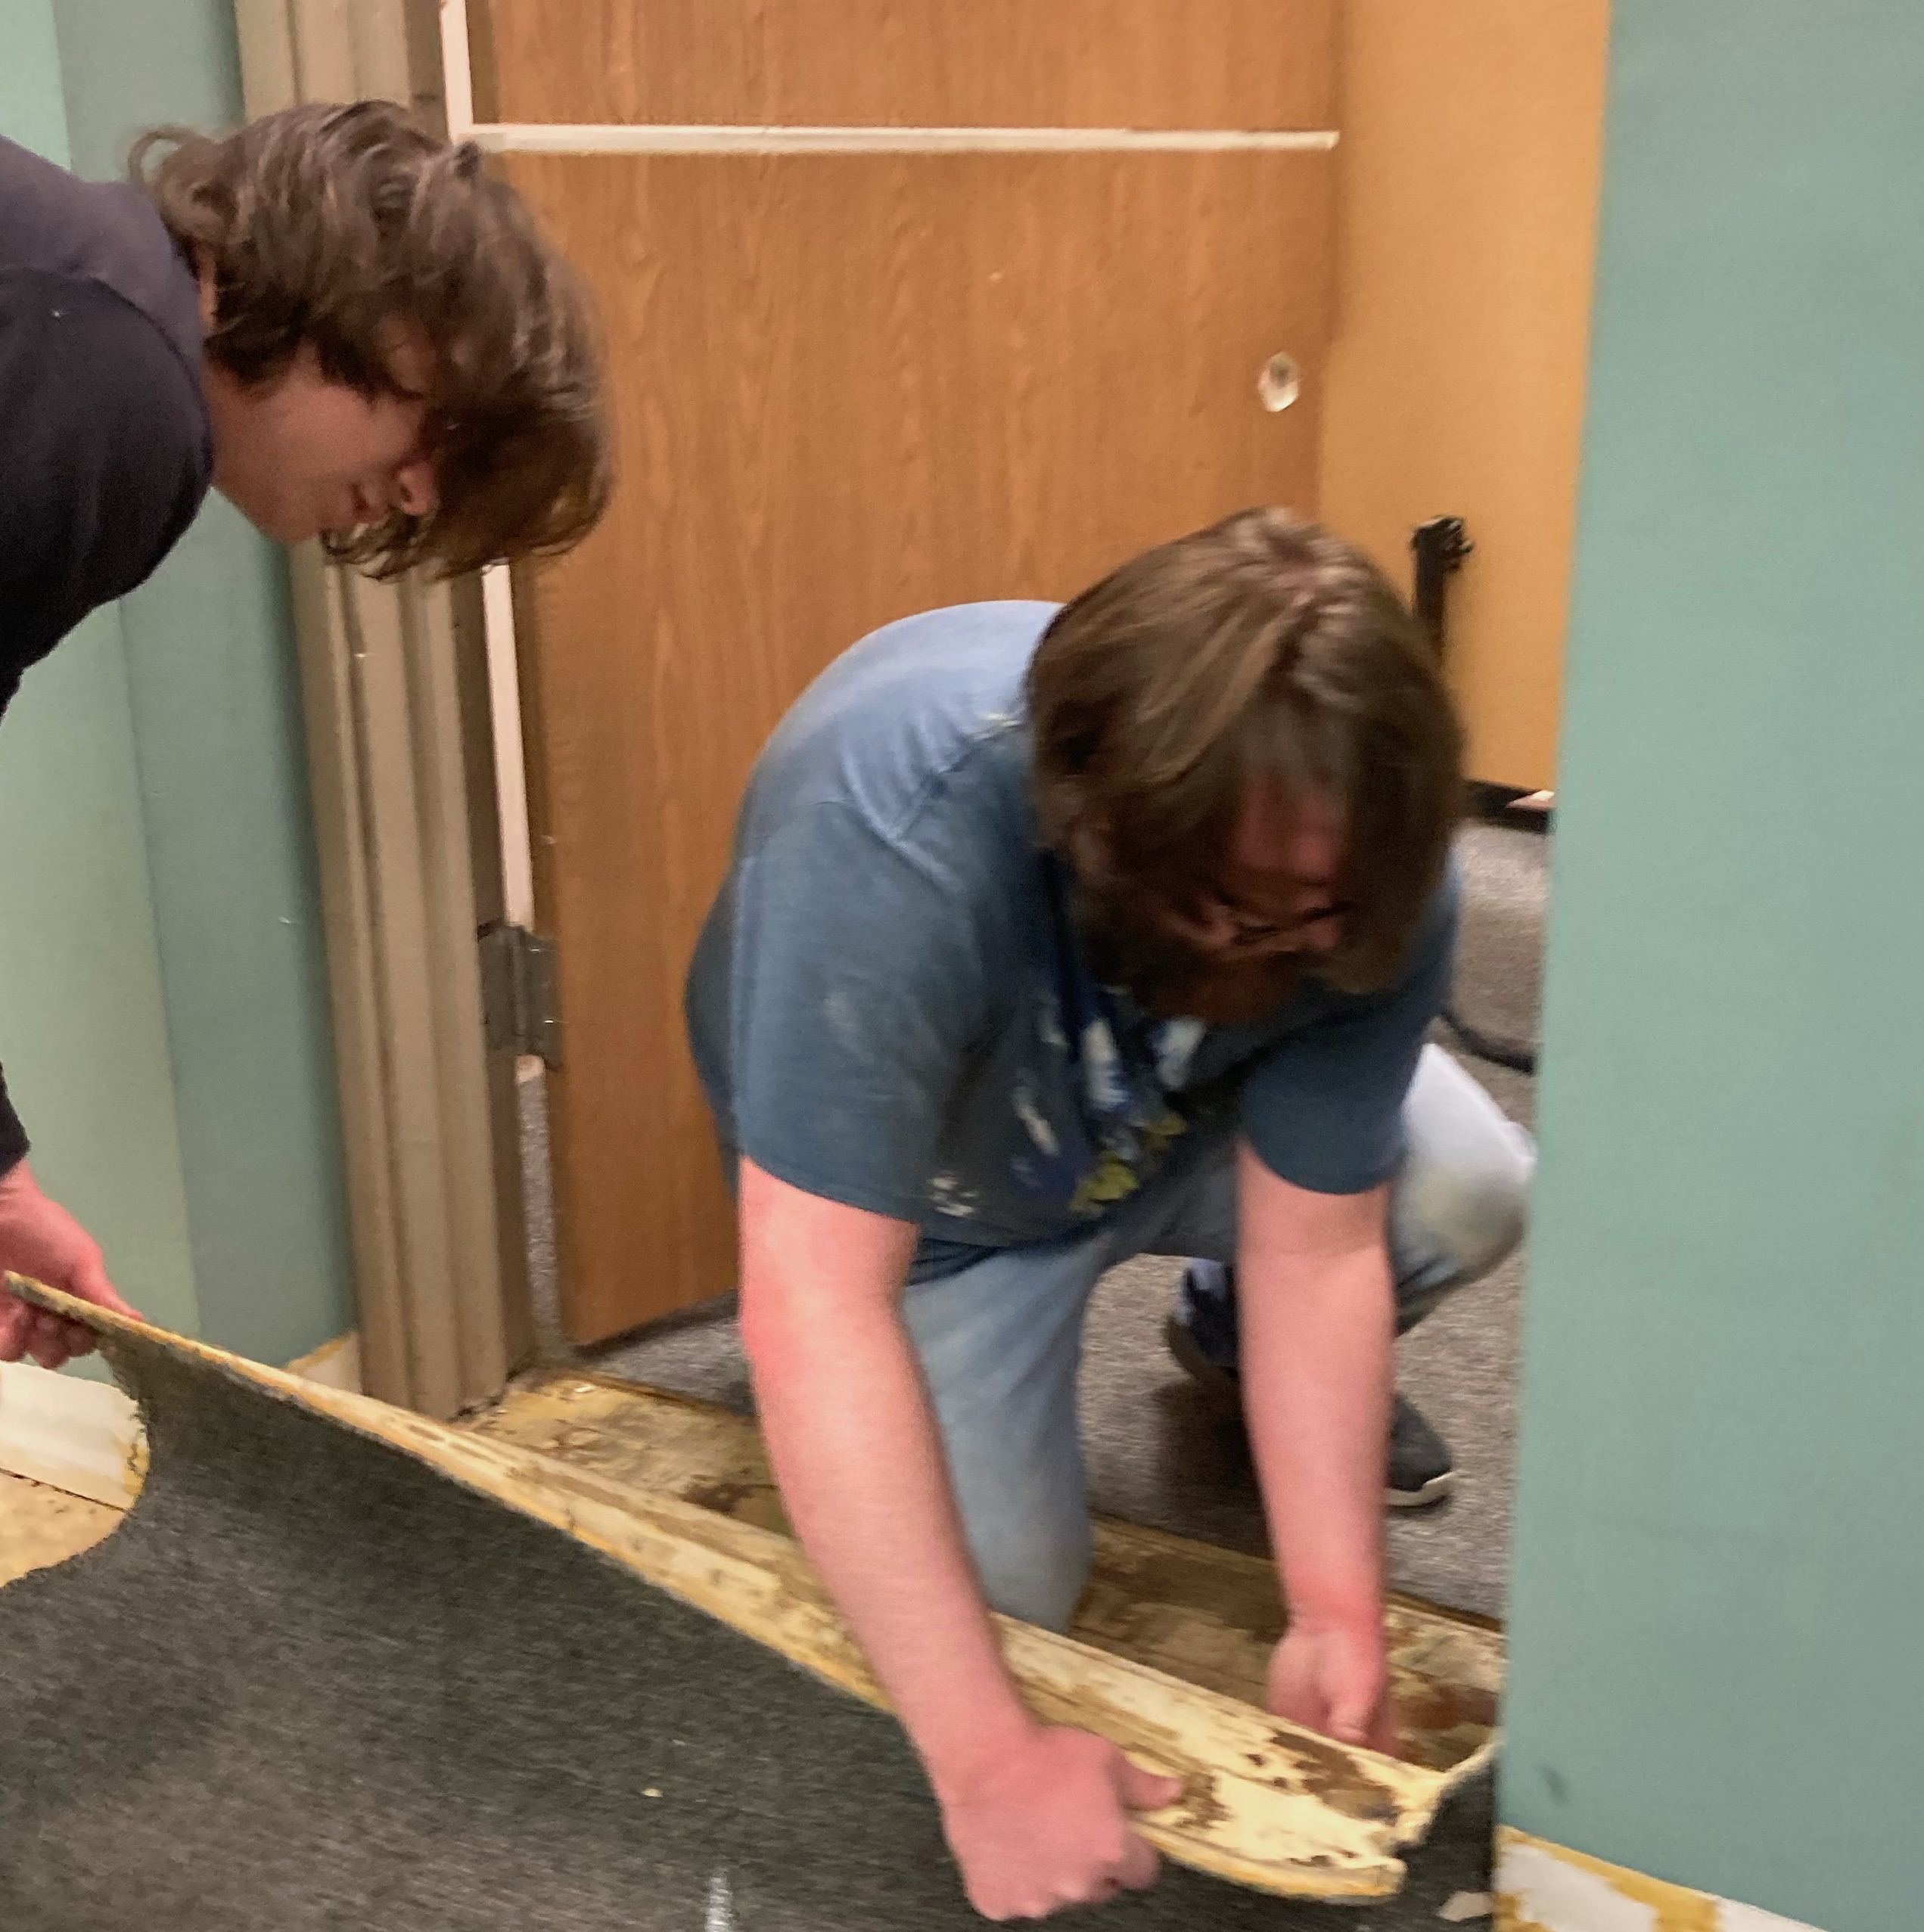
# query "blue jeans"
(1000, 1339)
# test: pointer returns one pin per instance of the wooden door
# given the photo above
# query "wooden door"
(850, 385)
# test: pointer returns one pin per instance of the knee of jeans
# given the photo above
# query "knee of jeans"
(1039, 1583)
(1475, 1212)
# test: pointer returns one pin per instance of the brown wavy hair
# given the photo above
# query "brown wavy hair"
(326, 227)
(1260, 649)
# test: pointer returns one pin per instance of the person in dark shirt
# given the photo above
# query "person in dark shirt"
(342, 324)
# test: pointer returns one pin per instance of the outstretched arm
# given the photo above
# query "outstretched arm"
(1035, 1816)
(1316, 1307)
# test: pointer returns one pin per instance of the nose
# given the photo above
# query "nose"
(414, 491)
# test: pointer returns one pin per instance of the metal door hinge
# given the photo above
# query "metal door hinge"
(518, 997)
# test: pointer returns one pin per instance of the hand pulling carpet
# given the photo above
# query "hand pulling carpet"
(344, 1667)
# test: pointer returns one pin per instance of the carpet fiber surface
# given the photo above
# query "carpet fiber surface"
(312, 1683)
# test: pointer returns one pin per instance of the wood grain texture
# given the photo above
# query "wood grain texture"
(40, 1526)
(1471, 155)
(1219, 63)
(847, 389)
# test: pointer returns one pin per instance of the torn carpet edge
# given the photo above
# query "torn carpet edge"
(383, 1672)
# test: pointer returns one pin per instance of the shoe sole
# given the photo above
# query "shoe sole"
(1436, 1490)
(1224, 1393)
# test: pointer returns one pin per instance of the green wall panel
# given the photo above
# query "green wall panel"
(82, 1026)
(31, 111)
(1718, 1562)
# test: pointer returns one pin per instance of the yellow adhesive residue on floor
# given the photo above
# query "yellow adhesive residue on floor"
(1546, 1887)
(1208, 1616)
(40, 1526)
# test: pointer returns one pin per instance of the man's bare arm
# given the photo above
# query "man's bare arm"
(1317, 1312)
(855, 1448)
(1035, 1816)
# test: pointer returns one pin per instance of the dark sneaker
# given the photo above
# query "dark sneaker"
(1201, 1334)
(1421, 1471)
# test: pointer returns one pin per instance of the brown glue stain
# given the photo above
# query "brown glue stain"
(746, 1501)
(1199, 1809)
(1446, 1704)
(1328, 1771)
(1233, 1597)
(1443, 1718)
(577, 1442)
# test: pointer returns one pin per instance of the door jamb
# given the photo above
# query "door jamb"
(401, 755)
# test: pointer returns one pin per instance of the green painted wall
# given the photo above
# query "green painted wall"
(1719, 1557)
(216, 716)
(31, 111)
(82, 1022)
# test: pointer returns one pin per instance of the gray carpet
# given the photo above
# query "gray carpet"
(310, 1683)
(1156, 1454)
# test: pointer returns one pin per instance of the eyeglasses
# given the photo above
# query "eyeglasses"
(1253, 932)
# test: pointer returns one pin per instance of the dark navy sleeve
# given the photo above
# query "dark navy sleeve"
(107, 456)
(12, 1135)
(103, 462)
(856, 989)
(1324, 1110)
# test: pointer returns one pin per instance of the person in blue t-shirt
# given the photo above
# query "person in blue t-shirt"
(1055, 936)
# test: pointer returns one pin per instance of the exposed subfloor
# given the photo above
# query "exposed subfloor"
(40, 1525)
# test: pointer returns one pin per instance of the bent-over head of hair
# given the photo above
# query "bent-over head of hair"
(333, 228)
(1259, 651)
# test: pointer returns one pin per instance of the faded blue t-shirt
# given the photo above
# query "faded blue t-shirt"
(889, 1008)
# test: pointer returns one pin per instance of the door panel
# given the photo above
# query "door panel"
(1211, 64)
(847, 388)
(1473, 138)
